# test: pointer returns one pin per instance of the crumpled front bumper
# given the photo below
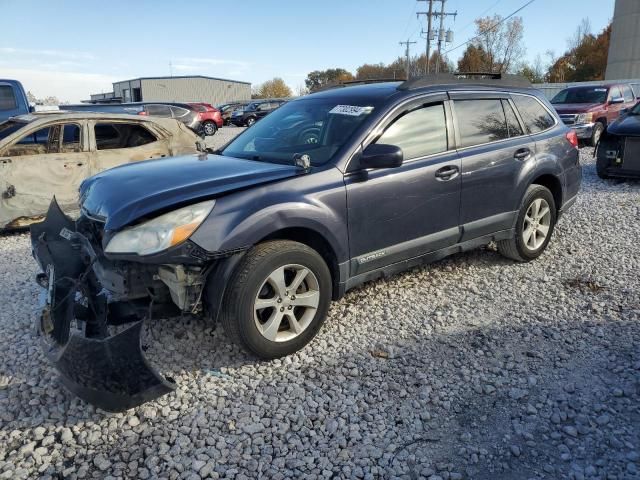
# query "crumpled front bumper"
(108, 371)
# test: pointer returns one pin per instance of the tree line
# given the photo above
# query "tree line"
(496, 47)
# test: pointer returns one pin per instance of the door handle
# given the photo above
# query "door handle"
(447, 173)
(522, 154)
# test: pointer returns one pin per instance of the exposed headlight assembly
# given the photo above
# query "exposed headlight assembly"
(162, 232)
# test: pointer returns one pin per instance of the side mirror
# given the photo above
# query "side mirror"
(379, 155)
(616, 100)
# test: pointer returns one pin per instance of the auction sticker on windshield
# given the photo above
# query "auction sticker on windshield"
(353, 110)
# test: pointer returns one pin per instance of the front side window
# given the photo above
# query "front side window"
(480, 121)
(615, 93)
(418, 133)
(536, 118)
(316, 127)
(7, 98)
(110, 136)
(34, 143)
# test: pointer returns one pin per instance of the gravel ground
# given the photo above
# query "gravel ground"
(472, 368)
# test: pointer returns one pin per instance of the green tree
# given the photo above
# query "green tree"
(321, 78)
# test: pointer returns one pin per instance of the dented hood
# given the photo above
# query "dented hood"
(124, 194)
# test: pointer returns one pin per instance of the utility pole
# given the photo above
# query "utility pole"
(407, 43)
(431, 34)
(429, 14)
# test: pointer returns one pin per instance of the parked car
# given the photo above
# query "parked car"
(227, 109)
(209, 117)
(266, 232)
(254, 111)
(618, 152)
(183, 112)
(47, 154)
(13, 99)
(590, 109)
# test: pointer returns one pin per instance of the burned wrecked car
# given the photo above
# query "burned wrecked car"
(329, 191)
(49, 154)
(618, 152)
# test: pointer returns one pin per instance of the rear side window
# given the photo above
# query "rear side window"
(70, 138)
(515, 130)
(626, 93)
(536, 118)
(121, 135)
(7, 98)
(418, 133)
(158, 110)
(179, 112)
(480, 121)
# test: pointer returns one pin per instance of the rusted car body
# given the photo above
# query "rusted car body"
(49, 154)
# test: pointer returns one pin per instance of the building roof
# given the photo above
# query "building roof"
(182, 76)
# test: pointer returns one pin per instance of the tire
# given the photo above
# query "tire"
(250, 121)
(596, 133)
(523, 247)
(251, 286)
(209, 128)
(602, 162)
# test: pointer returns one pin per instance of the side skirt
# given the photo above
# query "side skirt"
(426, 258)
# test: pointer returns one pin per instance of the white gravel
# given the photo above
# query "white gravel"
(472, 368)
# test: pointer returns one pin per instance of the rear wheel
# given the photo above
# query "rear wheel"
(535, 224)
(250, 121)
(209, 128)
(277, 299)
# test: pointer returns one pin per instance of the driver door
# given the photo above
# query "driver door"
(43, 163)
(400, 213)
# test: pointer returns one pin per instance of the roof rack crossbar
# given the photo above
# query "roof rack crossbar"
(364, 81)
(476, 78)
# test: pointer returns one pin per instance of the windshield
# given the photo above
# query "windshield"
(8, 127)
(313, 127)
(581, 95)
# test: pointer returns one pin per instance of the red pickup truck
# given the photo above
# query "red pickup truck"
(589, 109)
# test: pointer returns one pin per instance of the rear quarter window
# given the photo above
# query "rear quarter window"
(7, 98)
(535, 116)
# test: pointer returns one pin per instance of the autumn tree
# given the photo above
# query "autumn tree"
(274, 88)
(321, 78)
(586, 58)
(535, 72)
(49, 101)
(496, 47)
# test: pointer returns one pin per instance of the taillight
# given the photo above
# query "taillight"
(143, 113)
(572, 137)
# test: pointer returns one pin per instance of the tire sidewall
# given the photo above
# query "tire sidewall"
(534, 192)
(244, 311)
(250, 121)
(596, 135)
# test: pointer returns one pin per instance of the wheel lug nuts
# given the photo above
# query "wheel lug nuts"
(282, 309)
(289, 307)
(293, 297)
(279, 300)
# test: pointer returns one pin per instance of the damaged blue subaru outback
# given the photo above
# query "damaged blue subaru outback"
(329, 191)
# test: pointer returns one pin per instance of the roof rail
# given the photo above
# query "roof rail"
(476, 78)
(364, 81)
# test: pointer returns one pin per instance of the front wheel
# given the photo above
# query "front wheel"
(598, 129)
(534, 227)
(277, 299)
(250, 121)
(209, 128)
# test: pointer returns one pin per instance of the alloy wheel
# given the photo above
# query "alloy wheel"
(537, 222)
(286, 303)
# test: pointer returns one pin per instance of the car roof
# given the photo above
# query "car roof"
(61, 115)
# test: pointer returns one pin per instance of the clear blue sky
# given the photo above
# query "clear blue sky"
(71, 48)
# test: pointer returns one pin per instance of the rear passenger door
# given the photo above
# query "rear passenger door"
(495, 153)
(115, 143)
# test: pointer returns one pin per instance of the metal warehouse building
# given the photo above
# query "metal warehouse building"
(195, 88)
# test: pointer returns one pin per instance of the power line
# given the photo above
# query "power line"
(492, 27)
(407, 43)
(473, 21)
(440, 31)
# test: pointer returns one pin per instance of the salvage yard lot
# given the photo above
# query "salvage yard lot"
(473, 367)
